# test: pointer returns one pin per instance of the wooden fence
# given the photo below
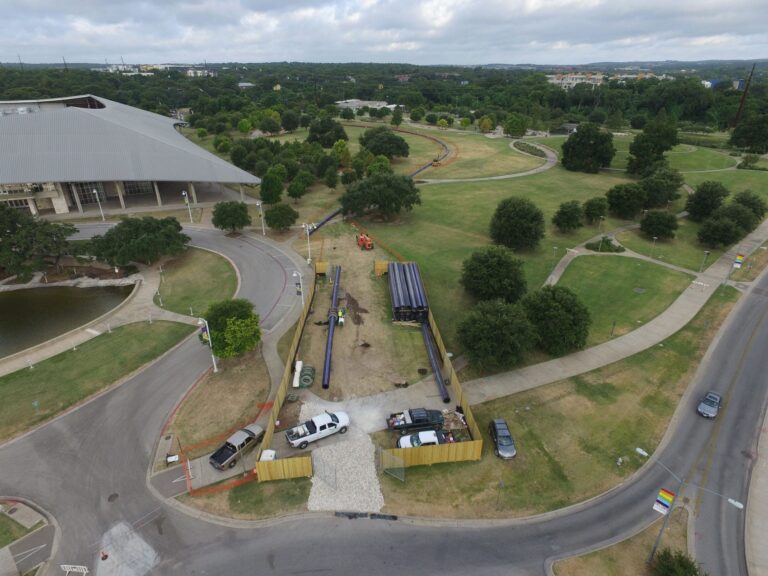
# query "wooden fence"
(300, 466)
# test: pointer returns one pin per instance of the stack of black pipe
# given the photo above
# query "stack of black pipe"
(409, 299)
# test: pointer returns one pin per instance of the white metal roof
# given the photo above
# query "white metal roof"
(56, 141)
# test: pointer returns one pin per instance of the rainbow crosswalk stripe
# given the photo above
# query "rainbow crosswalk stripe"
(665, 498)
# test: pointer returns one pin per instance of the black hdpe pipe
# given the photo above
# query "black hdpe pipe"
(393, 291)
(429, 342)
(332, 318)
(325, 220)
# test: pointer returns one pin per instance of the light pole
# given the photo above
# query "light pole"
(681, 482)
(189, 208)
(96, 193)
(297, 274)
(261, 215)
(204, 322)
(704, 260)
(653, 247)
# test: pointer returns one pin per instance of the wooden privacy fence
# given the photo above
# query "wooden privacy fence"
(282, 469)
(454, 452)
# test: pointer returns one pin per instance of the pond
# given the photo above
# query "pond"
(34, 315)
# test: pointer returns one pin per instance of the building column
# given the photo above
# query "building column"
(32, 206)
(242, 194)
(157, 193)
(75, 195)
(119, 188)
(194, 194)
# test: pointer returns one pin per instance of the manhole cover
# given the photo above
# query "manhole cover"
(112, 497)
(638, 290)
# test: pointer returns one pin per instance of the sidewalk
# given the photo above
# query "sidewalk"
(756, 525)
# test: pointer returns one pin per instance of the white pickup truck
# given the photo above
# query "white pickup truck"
(317, 427)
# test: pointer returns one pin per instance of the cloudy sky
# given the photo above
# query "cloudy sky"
(413, 31)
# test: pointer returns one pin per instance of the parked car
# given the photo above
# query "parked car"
(317, 427)
(424, 438)
(236, 446)
(415, 419)
(710, 405)
(503, 443)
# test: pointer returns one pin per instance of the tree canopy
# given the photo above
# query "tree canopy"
(280, 217)
(561, 320)
(383, 194)
(140, 240)
(517, 223)
(234, 327)
(595, 208)
(568, 216)
(659, 224)
(646, 152)
(588, 149)
(707, 198)
(232, 216)
(494, 273)
(326, 132)
(626, 200)
(383, 141)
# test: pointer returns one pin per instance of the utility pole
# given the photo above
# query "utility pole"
(65, 64)
(21, 64)
(743, 98)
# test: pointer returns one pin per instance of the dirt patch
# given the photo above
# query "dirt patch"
(370, 353)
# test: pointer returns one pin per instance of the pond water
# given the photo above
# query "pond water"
(34, 315)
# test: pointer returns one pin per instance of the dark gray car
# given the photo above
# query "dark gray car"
(504, 445)
(236, 445)
(710, 405)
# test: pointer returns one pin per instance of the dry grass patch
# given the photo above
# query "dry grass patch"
(628, 558)
(753, 265)
(229, 399)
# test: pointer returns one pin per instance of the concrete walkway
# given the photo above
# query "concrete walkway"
(757, 509)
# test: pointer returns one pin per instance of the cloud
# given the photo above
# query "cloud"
(417, 31)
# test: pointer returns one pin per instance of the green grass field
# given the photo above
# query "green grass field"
(735, 180)
(10, 531)
(28, 397)
(196, 278)
(610, 288)
(699, 159)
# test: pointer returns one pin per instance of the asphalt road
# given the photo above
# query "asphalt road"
(88, 469)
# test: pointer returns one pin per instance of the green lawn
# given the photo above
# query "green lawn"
(196, 278)
(611, 288)
(569, 434)
(10, 531)
(28, 397)
(682, 158)
(263, 499)
(735, 180)
(683, 250)
(453, 220)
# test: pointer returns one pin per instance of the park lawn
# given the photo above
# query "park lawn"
(10, 531)
(256, 500)
(734, 180)
(221, 403)
(683, 250)
(569, 434)
(609, 287)
(716, 139)
(685, 160)
(630, 557)
(318, 202)
(196, 279)
(452, 222)
(59, 382)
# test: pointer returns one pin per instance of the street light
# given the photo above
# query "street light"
(704, 261)
(602, 220)
(261, 215)
(189, 208)
(681, 482)
(96, 193)
(653, 248)
(297, 274)
(204, 322)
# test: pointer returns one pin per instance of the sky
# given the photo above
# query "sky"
(462, 32)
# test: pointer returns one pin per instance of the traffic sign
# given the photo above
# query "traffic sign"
(664, 501)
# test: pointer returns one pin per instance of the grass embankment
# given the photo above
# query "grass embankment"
(196, 279)
(231, 398)
(752, 266)
(10, 531)
(625, 291)
(28, 397)
(569, 433)
(629, 558)
(256, 500)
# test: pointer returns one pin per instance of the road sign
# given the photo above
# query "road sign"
(738, 261)
(76, 569)
(664, 501)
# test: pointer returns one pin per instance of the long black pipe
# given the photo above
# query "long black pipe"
(434, 360)
(332, 318)
(325, 220)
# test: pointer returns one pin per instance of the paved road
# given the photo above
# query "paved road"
(88, 469)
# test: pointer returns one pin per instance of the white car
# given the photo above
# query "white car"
(317, 427)
(424, 438)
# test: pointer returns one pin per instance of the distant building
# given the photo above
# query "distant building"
(355, 104)
(738, 84)
(245, 85)
(709, 84)
(200, 73)
(277, 87)
(568, 81)
(403, 77)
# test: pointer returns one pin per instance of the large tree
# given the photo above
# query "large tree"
(588, 149)
(515, 125)
(383, 141)
(569, 216)
(752, 201)
(140, 240)
(659, 224)
(232, 216)
(280, 217)
(326, 132)
(707, 198)
(383, 194)
(661, 187)
(493, 273)
(517, 223)
(595, 209)
(561, 320)
(626, 200)
(289, 120)
(646, 152)
(752, 134)
(742, 216)
(241, 333)
(271, 188)
(496, 334)
(719, 231)
(675, 563)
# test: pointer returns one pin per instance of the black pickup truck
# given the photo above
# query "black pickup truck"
(235, 446)
(415, 419)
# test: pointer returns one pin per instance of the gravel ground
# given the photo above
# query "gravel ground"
(345, 476)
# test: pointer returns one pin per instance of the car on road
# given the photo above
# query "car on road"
(710, 405)
(424, 438)
(503, 443)
(236, 446)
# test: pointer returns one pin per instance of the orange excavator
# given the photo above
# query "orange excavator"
(364, 242)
